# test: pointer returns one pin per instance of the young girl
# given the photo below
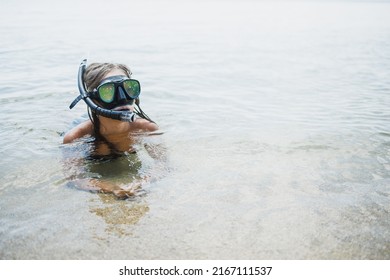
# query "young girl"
(115, 118)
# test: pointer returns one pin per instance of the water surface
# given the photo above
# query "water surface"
(276, 120)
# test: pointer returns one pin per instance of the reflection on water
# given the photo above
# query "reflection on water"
(119, 215)
(276, 119)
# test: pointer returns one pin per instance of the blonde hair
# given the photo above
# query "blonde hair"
(95, 72)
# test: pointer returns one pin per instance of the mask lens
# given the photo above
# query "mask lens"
(107, 92)
(132, 88)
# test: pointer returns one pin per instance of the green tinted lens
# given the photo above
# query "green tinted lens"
(107, 92)
(132, 88)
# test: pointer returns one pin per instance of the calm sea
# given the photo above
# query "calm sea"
(276, 124)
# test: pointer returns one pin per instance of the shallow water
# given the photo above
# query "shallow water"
(276, 120)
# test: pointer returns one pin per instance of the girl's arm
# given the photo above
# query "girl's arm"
(79, 131)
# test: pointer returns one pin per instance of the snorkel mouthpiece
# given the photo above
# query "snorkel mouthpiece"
(125, 116)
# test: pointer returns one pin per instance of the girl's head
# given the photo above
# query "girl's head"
(96, 72)
(111, 88)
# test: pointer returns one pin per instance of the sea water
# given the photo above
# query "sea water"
(276, 129)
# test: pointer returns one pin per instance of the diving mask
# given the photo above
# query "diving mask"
(117, 90)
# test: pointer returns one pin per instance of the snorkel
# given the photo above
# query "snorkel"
(126, 116)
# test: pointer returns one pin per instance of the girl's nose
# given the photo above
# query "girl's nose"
(121, 95)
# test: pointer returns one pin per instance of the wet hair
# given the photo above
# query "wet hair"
(95, 72)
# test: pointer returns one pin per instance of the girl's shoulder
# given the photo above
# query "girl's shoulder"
(79, 131)
(145, 125)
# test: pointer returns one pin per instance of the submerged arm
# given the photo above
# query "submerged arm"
(105, 186)
(88, 174)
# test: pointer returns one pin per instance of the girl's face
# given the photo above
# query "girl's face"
(118, 72)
